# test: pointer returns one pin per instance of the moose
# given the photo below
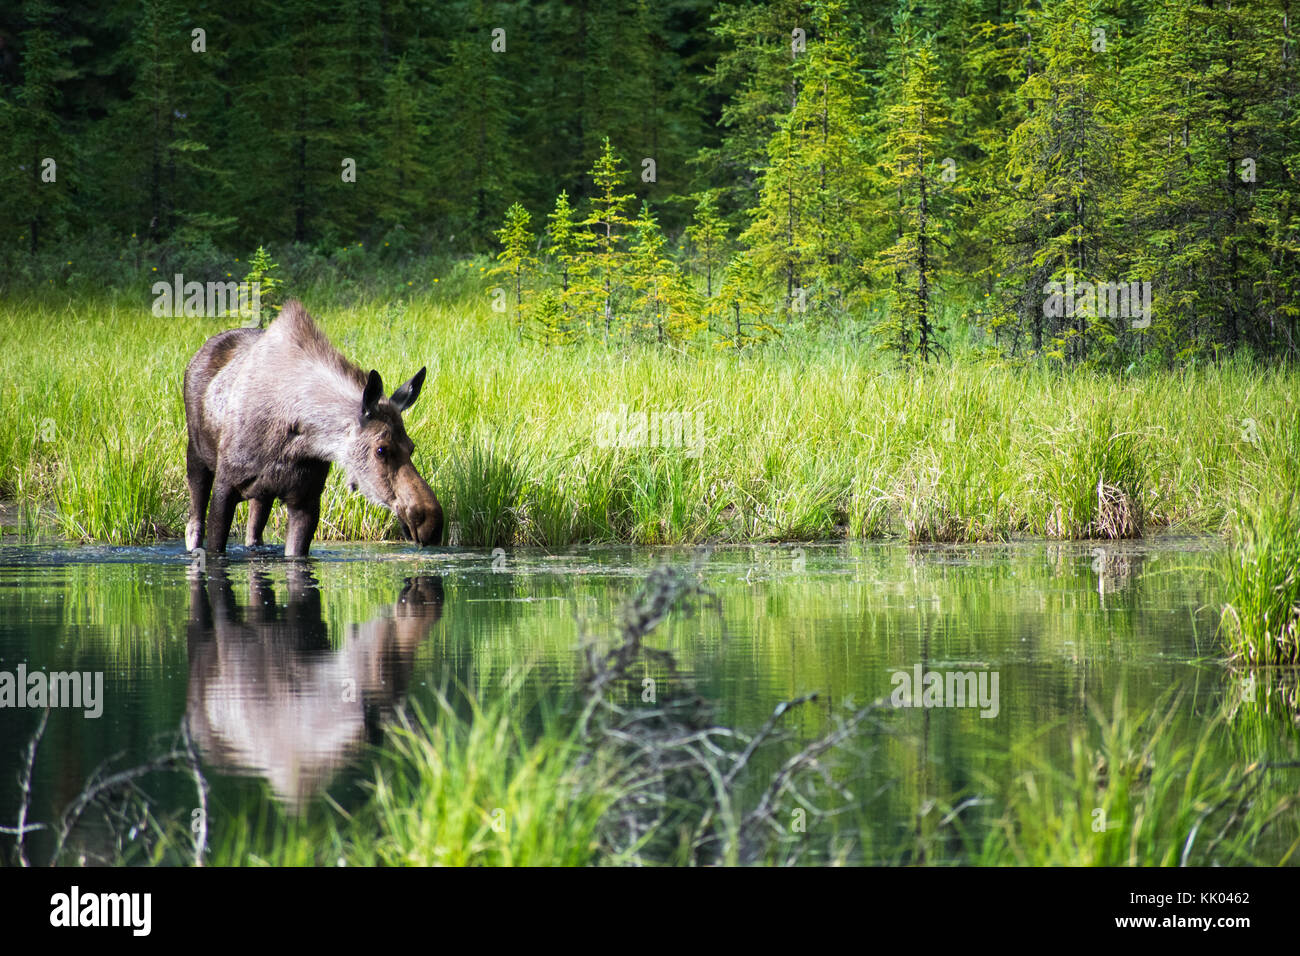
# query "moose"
(269, 695)
(267, 412)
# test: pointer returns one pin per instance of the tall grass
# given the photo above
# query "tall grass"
(1260, 571)
(1147, 794)
(457, 792)
(1261, 575)
(1092, 473)
(803, 438)
(484, 481)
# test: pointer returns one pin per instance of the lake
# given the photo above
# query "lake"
(287, 672)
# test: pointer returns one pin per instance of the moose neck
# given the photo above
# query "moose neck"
(327, 415)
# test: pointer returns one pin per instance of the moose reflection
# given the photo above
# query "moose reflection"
(269, 696)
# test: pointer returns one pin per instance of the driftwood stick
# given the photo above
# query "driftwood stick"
(806, 757)
(25, 782)
(97, 788)
(764, 732)
(201, 785)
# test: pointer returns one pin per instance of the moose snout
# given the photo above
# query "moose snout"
(419, 511)
(425, 525)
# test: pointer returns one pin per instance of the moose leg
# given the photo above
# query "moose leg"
(259, 509)
(220, 515)
(303, 518)
(199, 476)
(304, 509)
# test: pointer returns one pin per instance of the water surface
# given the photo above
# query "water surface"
(287, 671)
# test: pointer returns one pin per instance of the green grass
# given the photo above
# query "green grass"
(804, 438)
(1259, 573)
(1146, 793)
(1261, 580)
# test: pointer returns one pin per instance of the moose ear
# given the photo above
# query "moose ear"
(373, 393)
(405, 396)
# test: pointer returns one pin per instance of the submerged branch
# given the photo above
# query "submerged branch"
(25, 783)
(683, 771)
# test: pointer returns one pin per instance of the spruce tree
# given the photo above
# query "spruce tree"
(1057, 220)
(661, 294)
(806, 228)
(516, 257)
(29, 201)
(708, 234)
(911, 170)
(738, 312)
(608, 222)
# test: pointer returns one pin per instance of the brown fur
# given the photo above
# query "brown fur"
(268, 412)
(269, 694)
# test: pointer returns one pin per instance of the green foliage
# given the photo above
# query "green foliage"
(566, 241)
(1061, 157)
(607, 221)
(553, 320)
(1260, 572)
(797, 438)
(807, 224)
(708, 234)
(1261, 577)
(1094, 477)
(516, 257)
(737, 312)
(1140, 796)
(911, 175)
(484, 483)
(33, 141)
(755, 67)
(661, 296)
(261, 269)
(1149, 143)
(567, 247)
(405, 142)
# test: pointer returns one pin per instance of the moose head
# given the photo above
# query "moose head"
(378, 460)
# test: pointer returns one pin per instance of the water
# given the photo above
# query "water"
(288, 671)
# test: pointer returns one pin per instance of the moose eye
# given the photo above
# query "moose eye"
(380, 451)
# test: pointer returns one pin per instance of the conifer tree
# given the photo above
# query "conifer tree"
(831, 103)
(567, 245)
(708, 233)
(608, 222)
(553, 320)
(32, 131)
(756, 70)
(474, 161)
(805, 229)
(516, 256)
(296, 125)
(1057, 220)
(403, 128)
(910, 169)
(1209, 173)
(776, 234)
(737, 311)
(662, 295)
(565, 239)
